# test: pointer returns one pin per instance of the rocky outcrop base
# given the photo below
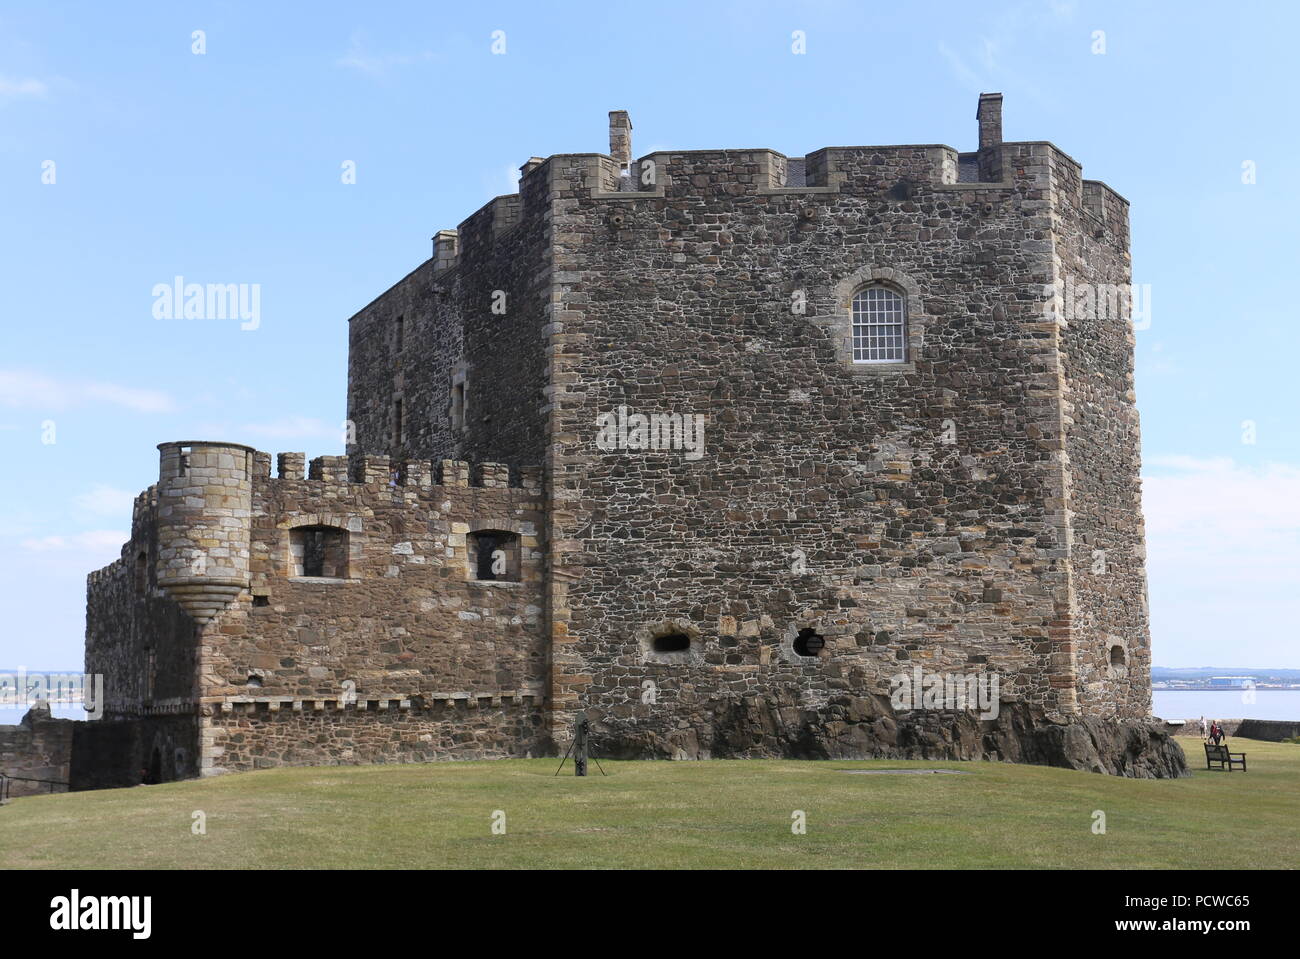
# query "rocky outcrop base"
(867, 727)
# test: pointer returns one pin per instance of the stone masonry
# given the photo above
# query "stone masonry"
(670, 492)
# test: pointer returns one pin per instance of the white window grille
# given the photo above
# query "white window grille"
(879, 326)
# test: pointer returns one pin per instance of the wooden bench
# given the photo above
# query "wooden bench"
(1225, 759)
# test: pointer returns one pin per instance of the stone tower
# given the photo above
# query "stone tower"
(941, 508)
(204, 511)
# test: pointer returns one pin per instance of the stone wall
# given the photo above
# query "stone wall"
(475, 320)
(404, 620)
(157, 746)
(1268, 730)
(39, 747)
(915, 550)
(257, 736)
(1110, 638)
(138, 637)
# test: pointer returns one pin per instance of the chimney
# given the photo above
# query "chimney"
(445, 249)
(620, 138)
(532, 164)
(989, 116)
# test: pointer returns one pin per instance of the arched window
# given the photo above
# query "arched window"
(141, 573)
(879, 326)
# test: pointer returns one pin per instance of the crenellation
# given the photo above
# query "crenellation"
(453, 473)
(493, 475)
(290, 466)
(373, 470)
(332, 470)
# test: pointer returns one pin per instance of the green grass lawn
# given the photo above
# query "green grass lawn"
(722, 814)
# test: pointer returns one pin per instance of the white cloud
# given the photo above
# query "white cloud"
(107, 501)
(100, 541)
(964, 74)
(360, 58)
(13, 89)
(288, 426)
(1221, 503)
(26, 389)
(1223, 560)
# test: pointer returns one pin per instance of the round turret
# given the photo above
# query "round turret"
(205, 498)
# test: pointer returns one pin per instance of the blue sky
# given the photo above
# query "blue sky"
(226, 167)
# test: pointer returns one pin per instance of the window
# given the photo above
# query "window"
(150, 673)
(458, 406)
(397, 422)
(493, 556)
(879, 326)
(141, 573)
(671, 643)
(809, 643)
(1117, 655)
(401, 332)
(319, 551)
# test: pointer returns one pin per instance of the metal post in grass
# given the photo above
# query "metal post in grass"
(580, 730)
(580, 747)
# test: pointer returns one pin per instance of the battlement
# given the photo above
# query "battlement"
(372, 702)
(384, 471)
(1015, 170)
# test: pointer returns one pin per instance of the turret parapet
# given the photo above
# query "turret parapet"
(1108, 208)
(202, 508)
(205, 493)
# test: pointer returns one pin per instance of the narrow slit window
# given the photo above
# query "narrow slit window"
(401, 333)
(879, 326)
(397, 422)
(458, 406)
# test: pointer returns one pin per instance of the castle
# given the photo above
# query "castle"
(713, 445)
